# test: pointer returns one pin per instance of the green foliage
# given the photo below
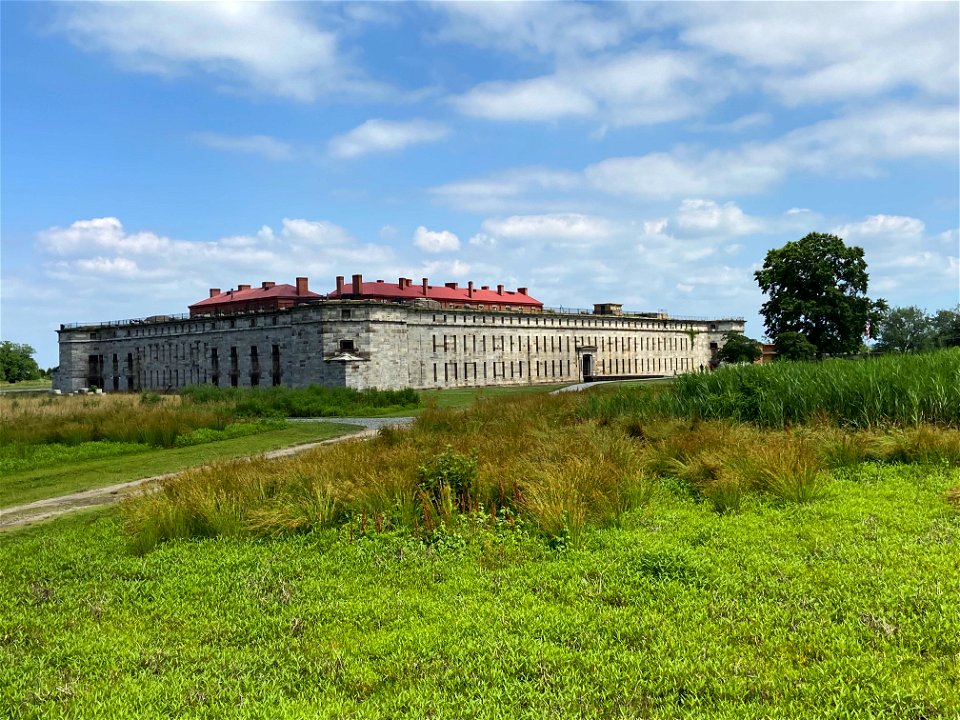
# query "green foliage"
(794, 346)
(737, 348)
(817, 287)
(910, 329)
(448, 480)
(946, 327)
(313, 401)
(17, 363)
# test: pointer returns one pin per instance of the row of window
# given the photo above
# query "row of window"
(577, 321)
(555, 343)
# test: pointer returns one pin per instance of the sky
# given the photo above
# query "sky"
(642, 153)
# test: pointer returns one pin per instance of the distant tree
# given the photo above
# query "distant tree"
(738, 348)
(905, 329)
(945, 328)
(17, 363)
(817, 286)
(794, 346)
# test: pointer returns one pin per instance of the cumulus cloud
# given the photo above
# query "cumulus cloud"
(270, 48)
(901, 257)
(262, 145)
(635, 88)
(377, 135)
(505, 190)
(710, 217)
(434, 242)
(838, 51)
(566, 226)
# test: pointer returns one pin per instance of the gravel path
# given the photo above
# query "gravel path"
(41, 510)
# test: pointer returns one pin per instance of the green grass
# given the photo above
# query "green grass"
(26, 385)
(72, 476)
(874, 392)
(460, 398)
(847, 607)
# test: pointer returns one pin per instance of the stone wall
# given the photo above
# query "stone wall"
(375, 345)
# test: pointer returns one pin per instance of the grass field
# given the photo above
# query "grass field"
(85, 474)
(849, 607)
(597, 555)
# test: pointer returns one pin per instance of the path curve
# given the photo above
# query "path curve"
(38, 511)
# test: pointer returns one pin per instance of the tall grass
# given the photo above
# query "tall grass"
(562, 462)
(888, 390)
(122, 419)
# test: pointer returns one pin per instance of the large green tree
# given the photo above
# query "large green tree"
(17, 363)
(738, 348)
(905, 329)
(817, 286)
(946, 328)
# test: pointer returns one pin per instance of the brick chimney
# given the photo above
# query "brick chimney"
(522, 291)
(339, 285)
(452, 285)
(267, 284)
(243, 287)
(484, 287)
(214, 292)
(401, 283)
(499, 289)
(302, 286)
(425, 286)
(358, 284)
(470, 289)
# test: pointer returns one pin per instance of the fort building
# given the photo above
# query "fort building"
(382, 335)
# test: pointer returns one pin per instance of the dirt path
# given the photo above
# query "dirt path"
(41, 510)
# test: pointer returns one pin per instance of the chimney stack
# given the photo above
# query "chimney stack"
(358, 284)
(339, 285)
(425, 286)
(214, 292)
(302, 286)
(470, 289)
(401, 283)
(484, 287)
(522, 291)
(452, 285)
(243, 287)
(499, 289)
(267, 284)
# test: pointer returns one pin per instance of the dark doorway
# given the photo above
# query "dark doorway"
(587, 366)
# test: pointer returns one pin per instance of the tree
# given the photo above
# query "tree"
(817, 287)
(905, 329)
(738, 348)
(794, 346)
(17, 363)
(946, 328)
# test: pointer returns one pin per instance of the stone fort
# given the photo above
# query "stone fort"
(382, 335)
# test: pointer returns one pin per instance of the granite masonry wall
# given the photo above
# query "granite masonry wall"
(363, 344)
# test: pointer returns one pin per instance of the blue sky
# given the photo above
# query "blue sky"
(643, 153)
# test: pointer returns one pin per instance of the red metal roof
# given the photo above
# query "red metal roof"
(254, 294)
(380, 290)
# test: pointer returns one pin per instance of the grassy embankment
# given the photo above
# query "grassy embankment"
(572, 556)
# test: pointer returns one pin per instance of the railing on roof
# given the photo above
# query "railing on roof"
(180, 317)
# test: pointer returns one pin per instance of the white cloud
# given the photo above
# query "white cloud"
(888, 225)
(388, 232)
(271, 48)
(384, 135)
(546, 28)
(631, 89)
(710, 217)
(555, 227)
(482, 240)
(818, 53)
(99, 234)
(315, 232)
(262, 145)
(507, 189)
(432, 241)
